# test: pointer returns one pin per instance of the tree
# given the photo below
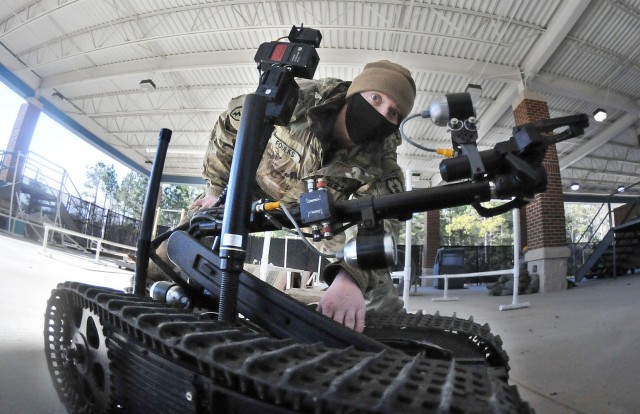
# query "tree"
(584, 221)
(101, 177)
(109, 185)
(176, 198)
(417, 229)
(463, 226)
(131, 193)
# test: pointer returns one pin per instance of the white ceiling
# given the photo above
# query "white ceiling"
(579, 54)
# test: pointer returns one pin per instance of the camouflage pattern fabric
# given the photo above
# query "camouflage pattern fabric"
(305, 149)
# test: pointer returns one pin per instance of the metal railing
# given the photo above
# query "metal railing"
(515, 271)
(99, 241)
(580, 250)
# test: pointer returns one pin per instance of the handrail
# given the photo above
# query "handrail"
(591, 223)
(515, 271)
(50, 177)
(64, 179)
(40, 166)
(446, 278)
(590, 243)
(610, 197)
(99, 240)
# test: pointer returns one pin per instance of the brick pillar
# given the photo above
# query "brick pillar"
(431, 240)
(545, 223)
(19, 142)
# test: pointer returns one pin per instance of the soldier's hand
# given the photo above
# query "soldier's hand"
(203, 203)
(343, 302)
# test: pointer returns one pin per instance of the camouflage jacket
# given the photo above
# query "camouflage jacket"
(303, 149)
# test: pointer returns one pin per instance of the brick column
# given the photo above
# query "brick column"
(431, 240)
(19, 142)
(545, 221)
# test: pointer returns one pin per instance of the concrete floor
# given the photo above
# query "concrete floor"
(576, 351)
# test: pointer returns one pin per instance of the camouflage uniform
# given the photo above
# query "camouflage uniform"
(304, 149)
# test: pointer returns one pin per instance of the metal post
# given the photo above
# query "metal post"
(12, 220)
(516, 265)
(98, 248)
(105, 220)
(446, 287)
(146, 228)
(407, 249)
(45, 237)
(613, 243)
(286, 251)
(264, 260)
(445, 297)
(156, 219)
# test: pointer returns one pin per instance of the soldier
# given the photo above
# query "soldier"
(346, 132)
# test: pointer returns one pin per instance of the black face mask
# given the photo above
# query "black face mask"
(364, 123)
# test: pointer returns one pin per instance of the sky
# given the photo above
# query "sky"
(53, 141)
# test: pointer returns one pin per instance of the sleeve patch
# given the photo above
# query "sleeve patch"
(236, 113)
(394, 185)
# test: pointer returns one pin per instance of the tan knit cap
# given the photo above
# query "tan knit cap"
(387, 77)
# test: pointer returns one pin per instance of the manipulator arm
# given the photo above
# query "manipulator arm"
(515, 166)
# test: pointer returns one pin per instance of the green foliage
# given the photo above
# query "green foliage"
(131, 193)
(101, 177)
(463, 226)
(176, 199)
(584, 221)
(417, 230)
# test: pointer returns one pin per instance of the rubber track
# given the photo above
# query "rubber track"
(488, 344)
(309, 378)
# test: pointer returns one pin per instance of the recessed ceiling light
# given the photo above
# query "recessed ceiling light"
(600, 115)
(147, 85)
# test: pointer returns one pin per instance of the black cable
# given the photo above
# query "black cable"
(304, 239)
(409, 140)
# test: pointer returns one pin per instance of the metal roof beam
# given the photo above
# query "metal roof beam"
(612, 131)
(159, 89)
(153, 112)
(598, 199)
(558, 85)
(25, 16)
(599, 173)
(635, 164)
(235, 59)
